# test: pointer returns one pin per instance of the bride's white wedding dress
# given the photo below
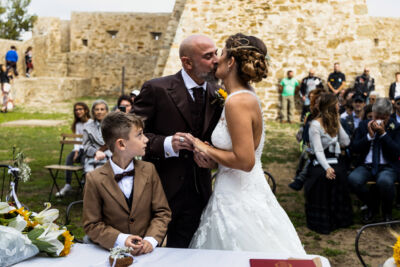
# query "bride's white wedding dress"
(243, 213)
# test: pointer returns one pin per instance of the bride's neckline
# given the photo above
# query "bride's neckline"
(240, 91)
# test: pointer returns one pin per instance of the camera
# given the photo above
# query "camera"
(379, 122)
(122, 108)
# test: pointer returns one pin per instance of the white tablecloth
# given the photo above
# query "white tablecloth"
(92, 255)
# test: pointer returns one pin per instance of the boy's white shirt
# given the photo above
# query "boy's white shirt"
(125, 185)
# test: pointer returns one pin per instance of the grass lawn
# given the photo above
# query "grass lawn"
(41, 147)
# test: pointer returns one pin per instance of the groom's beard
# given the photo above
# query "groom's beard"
(207, 76)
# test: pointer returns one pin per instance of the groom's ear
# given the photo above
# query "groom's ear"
(231, 62)
(187, 63)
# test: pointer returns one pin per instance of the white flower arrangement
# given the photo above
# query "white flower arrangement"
(24, 171)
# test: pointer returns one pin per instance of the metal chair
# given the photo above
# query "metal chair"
(67, 217)
(65, 140)
(9, 181)
(359, 232)
(271, 181)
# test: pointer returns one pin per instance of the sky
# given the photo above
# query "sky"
(63, 8)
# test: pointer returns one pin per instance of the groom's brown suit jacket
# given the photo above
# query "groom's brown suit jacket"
(106, 212)
(163, 103)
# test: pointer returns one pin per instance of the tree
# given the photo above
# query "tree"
(14, 19)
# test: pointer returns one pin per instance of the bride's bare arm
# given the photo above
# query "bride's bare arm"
(240, 111)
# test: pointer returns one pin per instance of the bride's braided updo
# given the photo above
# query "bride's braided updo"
(250, 54)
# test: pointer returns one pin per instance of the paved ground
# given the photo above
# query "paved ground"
(34, 123)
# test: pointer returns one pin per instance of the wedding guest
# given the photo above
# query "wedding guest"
(28, 61)
(124, 203)
(81, 118)
(328, 205)
(96, 151)
(124, 104)
(378, 143)
(5, 86)
(12, 59)
(368, 115)
(308, 84)
(396, 113)
(173, 106)
(364, 83)
(351, 122)
(304, 162)
(336, 80)
(373, 96)
(394, 89)
(288, 87)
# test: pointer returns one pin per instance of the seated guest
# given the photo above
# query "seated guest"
(81, 118)
(351, 122)
(124, 203)
(96, 152)
(368, 115)
(373, 96)
(328, 205)
(396, 113)
(378, 143)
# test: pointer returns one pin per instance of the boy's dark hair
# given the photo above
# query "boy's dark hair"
(13, 47)
(118, 125)
(124, 97)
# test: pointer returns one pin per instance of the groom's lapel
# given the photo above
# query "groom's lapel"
(178, 93)
(210, 108)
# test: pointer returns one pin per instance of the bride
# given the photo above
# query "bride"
(242, 213)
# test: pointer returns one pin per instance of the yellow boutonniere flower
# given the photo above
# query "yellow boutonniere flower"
(391, 126)
(222, 93)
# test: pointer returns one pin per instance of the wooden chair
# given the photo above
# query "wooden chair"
(9, 178)
(359, 232)
(66, 139)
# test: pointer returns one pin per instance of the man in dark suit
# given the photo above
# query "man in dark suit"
(378, 143)
(172, 107)
(394, 89)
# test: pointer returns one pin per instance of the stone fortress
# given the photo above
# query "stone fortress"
(85, 56)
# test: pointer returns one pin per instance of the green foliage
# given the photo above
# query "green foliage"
(14, 19)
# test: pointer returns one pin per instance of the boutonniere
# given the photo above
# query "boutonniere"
(391, 126)
(220, 96)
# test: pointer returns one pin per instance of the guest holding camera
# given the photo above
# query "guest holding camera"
(378, 143)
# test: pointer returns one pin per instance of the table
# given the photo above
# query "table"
(94, 256)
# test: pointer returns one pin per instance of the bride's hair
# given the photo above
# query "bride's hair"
(250, 54)
(329, 113)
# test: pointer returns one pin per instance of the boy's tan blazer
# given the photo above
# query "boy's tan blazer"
(106, 213)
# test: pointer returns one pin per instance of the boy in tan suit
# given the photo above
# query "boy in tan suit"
(124, 203)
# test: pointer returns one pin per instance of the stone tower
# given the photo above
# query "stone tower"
(299, 34)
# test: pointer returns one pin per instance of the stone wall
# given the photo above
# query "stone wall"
(299, 35)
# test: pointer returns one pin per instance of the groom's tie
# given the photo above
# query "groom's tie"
(198, 94)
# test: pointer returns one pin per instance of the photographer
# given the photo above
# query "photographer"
(124, 104)
(377, 141)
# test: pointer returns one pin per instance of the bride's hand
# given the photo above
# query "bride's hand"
(199, 146)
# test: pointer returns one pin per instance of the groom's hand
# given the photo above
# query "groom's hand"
(181, 141)
(203, 161)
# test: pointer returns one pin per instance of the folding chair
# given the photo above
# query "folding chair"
(66, 139)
